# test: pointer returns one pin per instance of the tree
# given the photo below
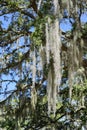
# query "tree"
(45, 66)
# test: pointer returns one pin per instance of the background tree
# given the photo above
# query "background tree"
(43, 69)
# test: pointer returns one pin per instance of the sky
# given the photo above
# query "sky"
(66, 25)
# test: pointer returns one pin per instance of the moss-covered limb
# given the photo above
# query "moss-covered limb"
(15, 64)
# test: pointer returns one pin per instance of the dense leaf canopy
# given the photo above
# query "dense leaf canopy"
(43, 67)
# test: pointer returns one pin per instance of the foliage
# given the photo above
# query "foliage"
(24, 69)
